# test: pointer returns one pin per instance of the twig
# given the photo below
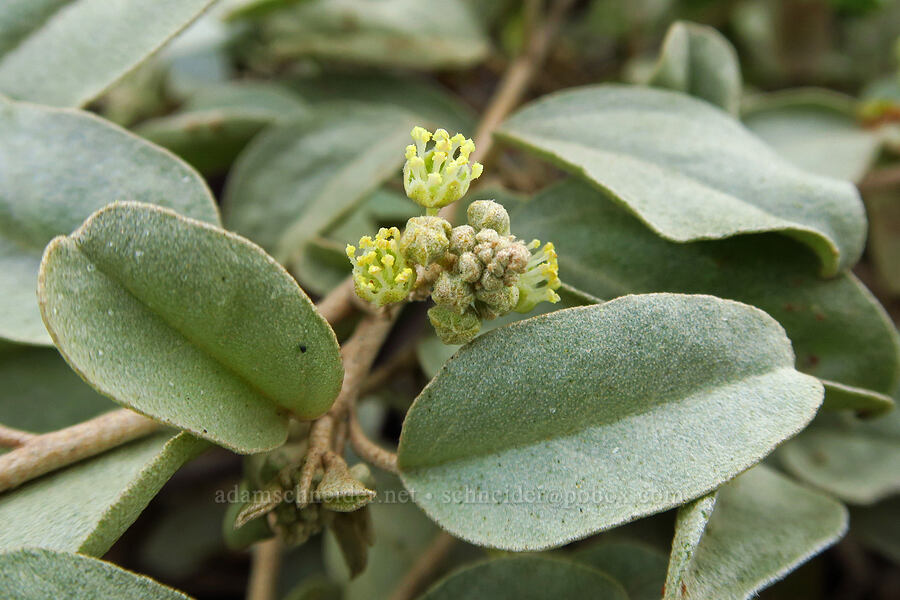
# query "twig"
(380, 376)
(368, 450)
(51, 451)
(338, 303)
(264, 569)
(425, 568)
(887, 177)
(13, 438)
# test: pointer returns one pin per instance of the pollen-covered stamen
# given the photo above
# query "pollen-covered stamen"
(437, 176)
(381, 274)
(540, 279)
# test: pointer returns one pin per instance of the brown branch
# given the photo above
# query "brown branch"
(879, 179)
(338, 303)
(13, 438)
(424, 568)
(50, 451)
(264, 569)
(368, 450)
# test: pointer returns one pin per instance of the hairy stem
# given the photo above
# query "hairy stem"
(51, 451)
(264, 569)
(13, 438)
(368, 450)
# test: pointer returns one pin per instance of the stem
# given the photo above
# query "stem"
(338, 303)
(264, 569)
(51, 451)
(425, 568)
(368, 450)
(13, 438)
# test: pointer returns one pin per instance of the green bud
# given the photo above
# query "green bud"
(340, 491)
(469, 267)
(493, 304)
(462, 239)
(487, 214)
(425, 239)
(452, 291)
(452, 327)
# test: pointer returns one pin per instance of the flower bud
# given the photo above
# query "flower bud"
(380, 271)
(425, 239)
(487, 214)
(469, 267)
(462, 239)
(340, 491)
(437, 176)
(452, 327)
(452, 291)
(493, 304)
(540, 279)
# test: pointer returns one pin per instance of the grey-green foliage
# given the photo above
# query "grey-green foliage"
(639, 568)
(854, 459)
(575, 395)
(301, 176)
(68, 53)
(688, 170)
(87, 506)
(761, 527)
(839, 331)
(526, 578)
(816, 129)
(698, 60)
(189, 324)
(423, 34)
(215, 124)
(32, 574)
(56, 168)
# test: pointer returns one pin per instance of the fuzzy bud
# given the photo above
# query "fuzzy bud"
(452, 327)
(487, 214)
(425, 239)
(462, 239)
(452, 291)
(493, 304)
(469, 267)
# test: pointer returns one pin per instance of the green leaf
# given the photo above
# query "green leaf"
(526, 578)
(839, 331)
(551, 446)
(420, 34)
(189, 324)
(640, 568)
(762, 527)
(688, 170)
(40, 393)
(698, 60)
(878, 526)
(87, 506)
(815, 129)
(58, 167)
(854, 459)
(214, 125)
(40, 574)
(68, 53)
(299, 177)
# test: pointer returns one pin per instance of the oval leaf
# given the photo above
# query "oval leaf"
(86, 507)
(639, 568)
(527, 578)
(536, 434)
(688, 170)
(839, 331)
(698, 60)
(56, 168)
(39, 574)
(189, 324)
(299, 177)
(68, 53)
(762, 527)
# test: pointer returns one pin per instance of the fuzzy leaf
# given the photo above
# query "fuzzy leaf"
(299, 177)
(639, 568)
(526, 578)
(698, 60)
(56, 168)
(189, 324)
(688, 170)
(560, 426)
(762, 527)
(839, 331)
(68, 53)
(39, 574)
(87, 506)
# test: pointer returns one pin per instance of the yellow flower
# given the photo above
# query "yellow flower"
(540, 279)
(380, 272)
(437, 176)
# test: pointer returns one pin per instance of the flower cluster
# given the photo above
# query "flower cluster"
(472, 272)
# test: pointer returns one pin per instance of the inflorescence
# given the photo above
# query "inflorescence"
(472, 272)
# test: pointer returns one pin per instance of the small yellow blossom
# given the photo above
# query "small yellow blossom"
(381, 275)
(437, 176)
(540, 280)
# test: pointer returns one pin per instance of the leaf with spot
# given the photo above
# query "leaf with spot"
(189, 324)
(688, 170)
(560, 426)
(56, 168)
